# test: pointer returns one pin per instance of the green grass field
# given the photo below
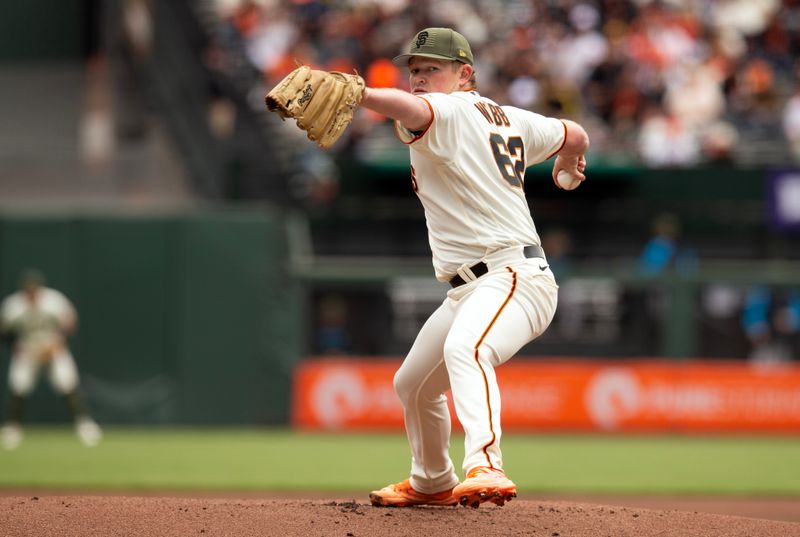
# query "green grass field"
(281, 460)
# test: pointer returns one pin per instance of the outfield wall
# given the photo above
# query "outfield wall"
(198, 317)
(570, 395)
(184, 318)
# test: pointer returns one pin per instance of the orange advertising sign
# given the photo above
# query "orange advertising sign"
(642, 395)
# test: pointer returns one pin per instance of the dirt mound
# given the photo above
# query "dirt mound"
(87, 516)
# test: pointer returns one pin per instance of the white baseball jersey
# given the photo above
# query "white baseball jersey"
(39, 322)
(468, 168)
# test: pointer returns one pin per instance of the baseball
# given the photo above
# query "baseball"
(567, 181)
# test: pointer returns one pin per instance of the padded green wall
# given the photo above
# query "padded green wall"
(185, 318)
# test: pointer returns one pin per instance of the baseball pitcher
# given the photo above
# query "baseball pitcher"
(468, 161)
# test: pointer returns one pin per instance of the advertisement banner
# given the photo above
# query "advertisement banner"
(569, 395)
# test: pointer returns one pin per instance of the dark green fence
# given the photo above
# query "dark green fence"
(183, 318)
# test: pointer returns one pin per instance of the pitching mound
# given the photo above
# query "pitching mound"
(86, 516)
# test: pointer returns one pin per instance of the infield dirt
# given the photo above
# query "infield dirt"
(88, 516)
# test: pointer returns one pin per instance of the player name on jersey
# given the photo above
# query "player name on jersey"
(493, 113)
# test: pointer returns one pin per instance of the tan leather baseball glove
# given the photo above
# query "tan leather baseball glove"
(322, 102)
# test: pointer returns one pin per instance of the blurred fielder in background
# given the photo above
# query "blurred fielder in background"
(468, 161)
(38, 320)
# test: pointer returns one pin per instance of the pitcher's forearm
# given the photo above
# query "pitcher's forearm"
(571, 158)
(577, 142)
(412, 112)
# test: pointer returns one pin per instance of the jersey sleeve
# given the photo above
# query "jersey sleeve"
(62, 308)
(545, 136)
(408, 136)
(437, 138)
(11, 312)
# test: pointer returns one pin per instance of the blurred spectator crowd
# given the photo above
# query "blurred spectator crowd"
(659, 83)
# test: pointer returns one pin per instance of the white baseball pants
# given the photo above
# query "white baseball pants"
(26, 365)
(478, 327)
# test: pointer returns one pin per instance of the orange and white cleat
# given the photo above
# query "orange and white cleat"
(484, 484)
(403, 495)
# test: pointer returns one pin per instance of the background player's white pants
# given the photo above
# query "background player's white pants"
(25, 367)
(479, 326)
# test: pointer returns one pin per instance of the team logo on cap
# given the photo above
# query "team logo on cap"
(422, 37)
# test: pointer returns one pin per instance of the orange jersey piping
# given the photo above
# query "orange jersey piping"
(563, 142)
(421, 134)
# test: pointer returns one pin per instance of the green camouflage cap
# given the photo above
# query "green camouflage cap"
(439, 43)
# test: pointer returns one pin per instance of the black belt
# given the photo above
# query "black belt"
(480, 268)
